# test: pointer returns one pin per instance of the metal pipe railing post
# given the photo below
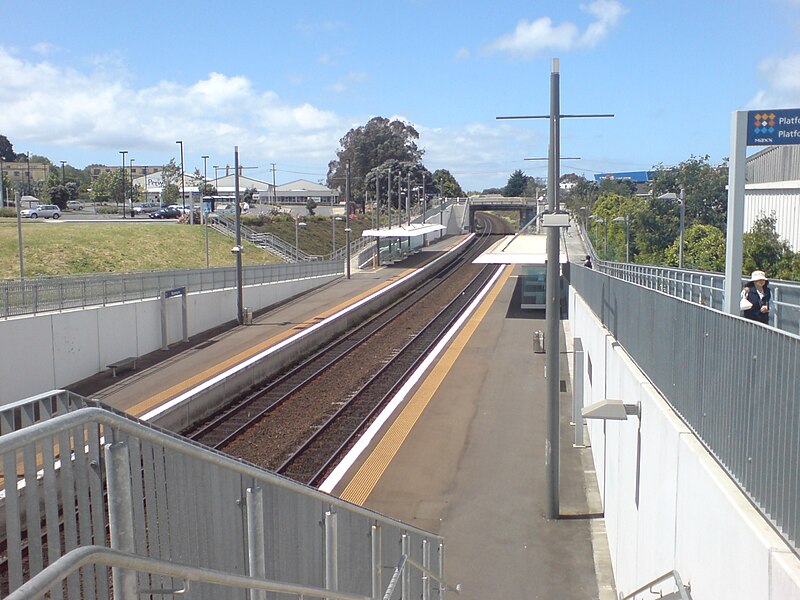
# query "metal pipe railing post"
(331, 552)
(577, 391)
(120, 516)
(377, 561)
(256, 553)
(405, 576)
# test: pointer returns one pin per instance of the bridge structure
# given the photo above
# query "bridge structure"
(527, 207)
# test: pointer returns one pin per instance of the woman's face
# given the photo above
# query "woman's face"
(760, 283)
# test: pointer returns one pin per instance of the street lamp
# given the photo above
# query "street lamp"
(347, 217)
(131, 168)
(183, 191)
(203, 215)
(297, 225)
(627, 237)
(682, 211)
(597, 221)
(333, 227)
(123, 152)
(63, 181)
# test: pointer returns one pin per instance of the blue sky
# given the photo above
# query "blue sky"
(286, 81)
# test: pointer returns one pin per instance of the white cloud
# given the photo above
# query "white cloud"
(530, 39)
(783, 83)
(46, 104)
(462, 54)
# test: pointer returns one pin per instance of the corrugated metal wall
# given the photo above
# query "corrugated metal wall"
(772, 165)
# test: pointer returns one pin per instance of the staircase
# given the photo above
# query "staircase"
(266, 241)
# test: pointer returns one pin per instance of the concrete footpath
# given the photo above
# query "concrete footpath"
(470, 466)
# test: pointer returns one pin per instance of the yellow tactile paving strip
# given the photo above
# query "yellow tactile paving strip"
(367, 476)
(179, 388)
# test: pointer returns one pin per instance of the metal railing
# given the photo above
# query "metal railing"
(268, 241)
(45, 294)
(734, 382)
(681, 592)
(173, 511)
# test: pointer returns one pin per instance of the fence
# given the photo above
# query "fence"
(89, 479)
(733, 381)
(44, 294)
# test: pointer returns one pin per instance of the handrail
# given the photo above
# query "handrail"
(39, 585)
(683, 590)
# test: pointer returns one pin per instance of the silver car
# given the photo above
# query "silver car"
(43, 210)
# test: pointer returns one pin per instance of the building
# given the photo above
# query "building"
(20, 173)
(301, 191)
(138, 171)
(772, 187)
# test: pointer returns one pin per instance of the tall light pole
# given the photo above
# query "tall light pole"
(297, 225)
(682, 215)
(333, 222)
(123, 152)
(238, 247)
(347, 217)
(627, 237)
(130, 164)
(63, 180)
(183, 179)
(203, 216)
(2, 186)
(553, 291)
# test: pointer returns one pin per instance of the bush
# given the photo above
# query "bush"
(8, 212)
(107, 210)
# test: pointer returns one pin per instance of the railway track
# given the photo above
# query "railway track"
(301, 423)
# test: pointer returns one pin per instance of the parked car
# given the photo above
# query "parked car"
(74, 205)
(166, 213)
(147, 207)
(183, 209)
(43, 210)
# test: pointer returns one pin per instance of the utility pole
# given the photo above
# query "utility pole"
(347, 217)
(553, 292)
(238, 248)
(274, 188)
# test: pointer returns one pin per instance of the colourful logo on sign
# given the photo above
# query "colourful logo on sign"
(764, 123)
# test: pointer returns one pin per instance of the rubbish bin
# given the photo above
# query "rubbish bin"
(248, 315)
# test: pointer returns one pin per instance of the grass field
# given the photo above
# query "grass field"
(63, 248)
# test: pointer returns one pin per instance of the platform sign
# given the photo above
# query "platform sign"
(773, 127)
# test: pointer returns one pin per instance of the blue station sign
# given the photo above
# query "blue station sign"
(773, 127)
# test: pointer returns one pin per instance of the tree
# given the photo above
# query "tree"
(765, 251)
(311, 206)
(369, 147)
(108, 187)
(704, 189)
(516, 184)
(703, 249)
(6, 150)
(170, 178)
(581, 198)
(447, 185)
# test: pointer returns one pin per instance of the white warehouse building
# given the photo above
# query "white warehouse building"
(773, 186)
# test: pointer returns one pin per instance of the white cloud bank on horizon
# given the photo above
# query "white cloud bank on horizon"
(49, 104)
(530, 39)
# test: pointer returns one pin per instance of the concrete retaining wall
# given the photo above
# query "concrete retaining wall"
(53, 350)
(668, 504)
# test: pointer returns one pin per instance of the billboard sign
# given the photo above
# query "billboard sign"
(773, 127)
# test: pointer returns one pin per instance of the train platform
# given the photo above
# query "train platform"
(165, 374)
(464, 455)
(465, 459)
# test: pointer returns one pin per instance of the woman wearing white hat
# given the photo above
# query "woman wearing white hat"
(757, 295)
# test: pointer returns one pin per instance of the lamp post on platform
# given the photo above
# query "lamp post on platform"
(123, 152)
(682, 216)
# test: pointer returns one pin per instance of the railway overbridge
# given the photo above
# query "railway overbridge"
(525, 206)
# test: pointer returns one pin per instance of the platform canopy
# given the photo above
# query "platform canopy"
(520, 249)
(412, 230)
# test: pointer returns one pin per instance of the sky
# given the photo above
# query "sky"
(286, 81)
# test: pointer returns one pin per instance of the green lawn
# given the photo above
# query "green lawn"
(63, 248)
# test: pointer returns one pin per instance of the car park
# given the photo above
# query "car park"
(43, 210)
(166, 213)
(74, 205)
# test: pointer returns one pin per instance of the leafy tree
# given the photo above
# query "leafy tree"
(369, 147)
(6, 150)
(401, 174)
(60, 193)
(516, 184)
(447, 185)
(703, 249)
(765, 251)
(311, 206)
(107, 187)
(171, 179)
(492, 191)
(704, 188)
(581, 198)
